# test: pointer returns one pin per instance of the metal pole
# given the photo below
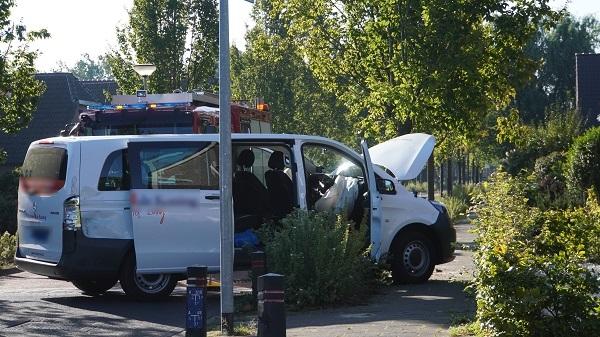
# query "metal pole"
(225, 173)
(145, 79)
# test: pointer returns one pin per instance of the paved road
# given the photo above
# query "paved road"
(32, 305)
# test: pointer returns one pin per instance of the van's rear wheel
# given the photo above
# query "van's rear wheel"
(145, 286)
(413, 258)
(94, 287)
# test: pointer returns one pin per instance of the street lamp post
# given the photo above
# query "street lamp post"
(144, 70)
(225, 173)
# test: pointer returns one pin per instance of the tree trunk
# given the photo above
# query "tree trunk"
(431, 178)
(450, 176)
(461, 177)
(463, 169)
(442, 178)
(468, 169)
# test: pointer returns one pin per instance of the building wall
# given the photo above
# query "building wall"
(588, 87)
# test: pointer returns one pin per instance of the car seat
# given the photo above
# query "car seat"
(250, 197)
(279, 186)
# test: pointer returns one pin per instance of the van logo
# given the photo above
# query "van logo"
(34, 215)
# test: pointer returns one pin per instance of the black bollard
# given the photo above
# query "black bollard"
(271, 306)
(195, 325)
(258, 268)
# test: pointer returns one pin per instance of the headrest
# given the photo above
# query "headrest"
(245, 158)
(276, 161)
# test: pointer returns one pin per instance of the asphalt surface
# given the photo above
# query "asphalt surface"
(32, 305)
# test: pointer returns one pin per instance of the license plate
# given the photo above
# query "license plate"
(40, 234)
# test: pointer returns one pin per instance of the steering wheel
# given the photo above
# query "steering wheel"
(318, 184)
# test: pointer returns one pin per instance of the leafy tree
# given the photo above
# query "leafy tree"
(88, 69)
(273, 68)
(19, 90)
(405, 65)
(583, 162)
(555, 133)
(554, 49)
(178, 36)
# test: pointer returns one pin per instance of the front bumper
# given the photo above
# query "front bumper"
(446, 237)
(82, 258)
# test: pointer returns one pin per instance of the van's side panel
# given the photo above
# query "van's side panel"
(400, 210)
(104, 214)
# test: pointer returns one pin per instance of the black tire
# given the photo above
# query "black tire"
(94, 287)
(413, 257)
(145, 286)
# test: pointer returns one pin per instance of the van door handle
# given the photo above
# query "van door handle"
(212, 197)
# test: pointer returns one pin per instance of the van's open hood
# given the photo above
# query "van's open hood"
(405, 156)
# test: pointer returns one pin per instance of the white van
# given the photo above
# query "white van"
(140, 209)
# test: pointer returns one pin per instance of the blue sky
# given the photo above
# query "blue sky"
(88, 26)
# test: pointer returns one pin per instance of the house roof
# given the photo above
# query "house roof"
(96, 89)
(58, 106)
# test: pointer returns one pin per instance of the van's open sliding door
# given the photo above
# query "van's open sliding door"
(375, 202)
(174, 205)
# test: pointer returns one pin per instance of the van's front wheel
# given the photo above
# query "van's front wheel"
(413, 257)
(145, 286)
(94, 287)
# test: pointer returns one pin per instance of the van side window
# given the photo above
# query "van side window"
(178, 166)
(115, 172)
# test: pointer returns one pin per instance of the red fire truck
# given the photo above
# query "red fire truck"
(177, 113)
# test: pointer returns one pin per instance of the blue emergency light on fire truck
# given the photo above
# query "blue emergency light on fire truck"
(177, 113)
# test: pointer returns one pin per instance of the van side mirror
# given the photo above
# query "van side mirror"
(385, 186)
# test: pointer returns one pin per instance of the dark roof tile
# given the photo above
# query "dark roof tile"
(58, 106)
(97, 88)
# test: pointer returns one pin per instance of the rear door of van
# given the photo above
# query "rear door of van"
(49, 176)
(174, 204)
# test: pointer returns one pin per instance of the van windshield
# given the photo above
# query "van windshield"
(44, 170)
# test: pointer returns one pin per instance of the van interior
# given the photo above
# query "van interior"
(264, 188)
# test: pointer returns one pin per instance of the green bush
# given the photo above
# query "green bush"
(416, 186)
(531, 277)
(8, 244)
(547, 183)
(556, 133)
(323, 257)
(456, 206)
(549, 173)
(583, 162)
(466, 192)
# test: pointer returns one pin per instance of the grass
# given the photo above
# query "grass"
(465, 329)
(457, 207)
(246, 327)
